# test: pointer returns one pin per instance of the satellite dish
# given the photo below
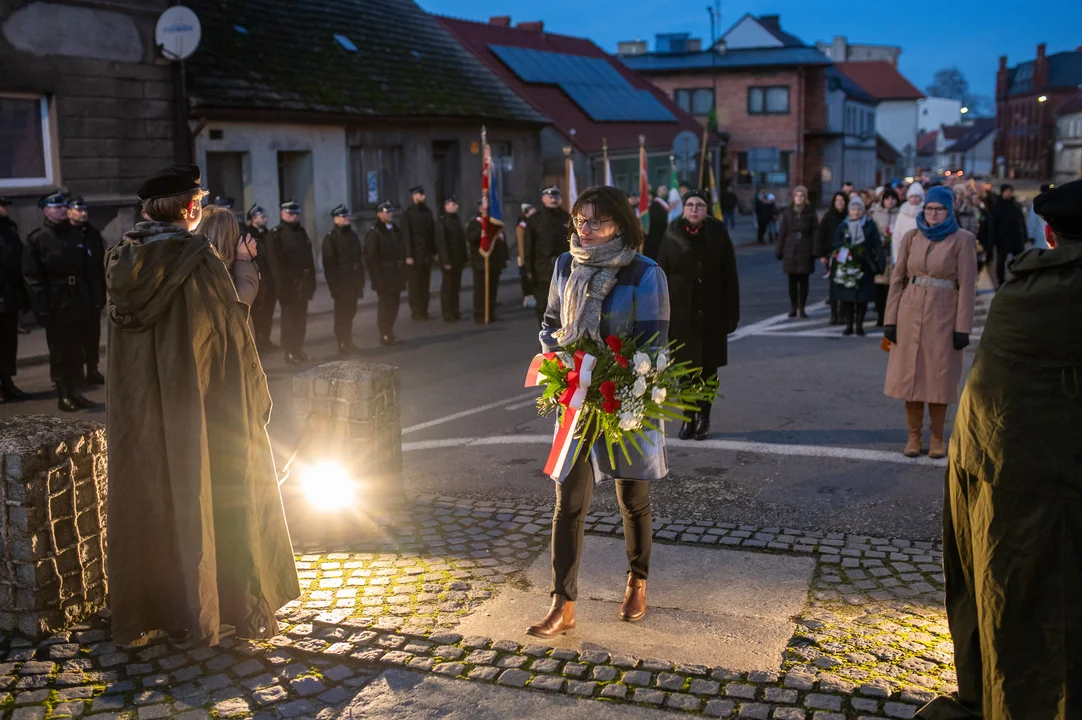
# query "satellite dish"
(178, 32)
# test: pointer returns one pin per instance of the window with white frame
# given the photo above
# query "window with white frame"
(26, 146)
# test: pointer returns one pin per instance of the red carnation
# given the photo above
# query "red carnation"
(611, 405)
(615, 343)
(621, 361)
(608, 389)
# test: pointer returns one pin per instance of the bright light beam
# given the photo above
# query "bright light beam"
(327, 486)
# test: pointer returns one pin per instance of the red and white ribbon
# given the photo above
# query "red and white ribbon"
(578, 385)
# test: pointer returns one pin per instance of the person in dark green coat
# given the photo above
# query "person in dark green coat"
(1012, 540)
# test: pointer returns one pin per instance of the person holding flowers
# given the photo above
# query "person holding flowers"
(858, 258)
(604, 291)
(885, 215)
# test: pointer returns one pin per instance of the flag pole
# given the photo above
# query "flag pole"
(484, 218)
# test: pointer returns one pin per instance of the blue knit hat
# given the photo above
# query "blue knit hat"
(940, 194)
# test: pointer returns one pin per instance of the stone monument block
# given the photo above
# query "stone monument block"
(53, 491)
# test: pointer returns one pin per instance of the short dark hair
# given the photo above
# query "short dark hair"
(890, 192)
(612, 203)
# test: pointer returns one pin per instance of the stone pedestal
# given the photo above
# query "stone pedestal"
(347, 411)
(52, 529)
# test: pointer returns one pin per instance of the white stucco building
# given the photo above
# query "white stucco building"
(849, 151)
(935, 112)
(896, 114)
(1068, 145)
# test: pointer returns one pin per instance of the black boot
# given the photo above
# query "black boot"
(93, 377)
(702, 428)
(63, 400)
(833, 312)
(802, 313)
(861, 311)
(79, 399)
(687, 430)
(344, 349)
(792, 311)
(847, 316)
(10, 393)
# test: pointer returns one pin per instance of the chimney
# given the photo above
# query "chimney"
(537, 26)
(500, 21)
(631, 47)
(839, 49)
(771, 21)
(1040, 68)
(1001, 78)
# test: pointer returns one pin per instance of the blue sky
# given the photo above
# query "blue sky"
(970, 34)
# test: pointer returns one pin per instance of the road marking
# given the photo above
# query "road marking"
(757, 327)
(531, 402)
(813, 451)
(467, 413)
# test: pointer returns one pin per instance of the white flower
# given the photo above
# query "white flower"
(642, 364)
(659, 395)
(629, 421)
(639, 388)
(662, 360)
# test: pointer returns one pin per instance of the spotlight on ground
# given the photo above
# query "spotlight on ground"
(328, 486)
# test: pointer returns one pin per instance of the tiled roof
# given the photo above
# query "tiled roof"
(881, 79)
(926, 143)
(479, 38)
(729, 60)
(394, 60)
(849, 87)
(971, 134)
(1064, 72)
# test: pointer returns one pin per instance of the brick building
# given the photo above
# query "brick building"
(1028, 97)
(86, 104)
(776, 109)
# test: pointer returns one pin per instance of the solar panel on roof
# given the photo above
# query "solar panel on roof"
(592, 83)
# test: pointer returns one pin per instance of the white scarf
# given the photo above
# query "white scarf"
(593, 276)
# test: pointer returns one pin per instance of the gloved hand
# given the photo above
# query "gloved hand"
(961, 340)
(890, 332)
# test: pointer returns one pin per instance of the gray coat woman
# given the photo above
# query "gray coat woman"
(795, 247)
(604, 286)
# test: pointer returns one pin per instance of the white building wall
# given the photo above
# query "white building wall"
(896, 120)
(262, 143)
(934, 113)
(1068, 159)
(748, 33)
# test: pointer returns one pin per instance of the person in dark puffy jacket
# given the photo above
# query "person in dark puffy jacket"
(795, 247)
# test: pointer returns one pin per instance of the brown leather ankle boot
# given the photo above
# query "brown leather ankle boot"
(938, 417)
(633, 608)
(560, 619)
(914, 415)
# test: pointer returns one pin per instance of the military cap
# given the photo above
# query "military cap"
(291, 206)
(450, 199)
(169, 181)
(696, 193)
(1046, 187)
(551, 190)
(340, 211)
(224, 202)
(385, 206)
(255, 210)
(53, 199)
(77, 202)
(4, 201)
(1005, 187)
(417, 189)
(1061, 208)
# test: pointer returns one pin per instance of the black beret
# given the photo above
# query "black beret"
(225, 202)
(696, 193)
(77, 202)
(417, 189)
(385, 206)
(169, 181)
(551, 190)
(53, 199)
(4, 202)
(1061, 208)
(340, 211)
(255, 210)
(291, 206)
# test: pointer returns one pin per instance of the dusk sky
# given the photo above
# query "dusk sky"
(971, 35)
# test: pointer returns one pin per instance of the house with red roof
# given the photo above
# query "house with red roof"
(595, 103)
(897, 116)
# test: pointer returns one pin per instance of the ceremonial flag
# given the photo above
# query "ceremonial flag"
(716, 202)
(644, 186)
(491, 212)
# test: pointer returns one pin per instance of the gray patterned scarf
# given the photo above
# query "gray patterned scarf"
(593, 275)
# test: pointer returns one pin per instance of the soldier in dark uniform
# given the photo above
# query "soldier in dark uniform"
(266, 298)
(385, 255)
(497, 261)
(95, 245)
(344, 270)
(420, 228)
(13, 300)
(293, 272)
(546, 239)
(451, 245)
(1011, 536)
(58, 272)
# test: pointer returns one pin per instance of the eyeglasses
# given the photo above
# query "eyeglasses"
(695, 206)
(937, 209)
(592, 223)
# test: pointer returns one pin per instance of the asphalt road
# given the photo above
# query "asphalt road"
(803, 437)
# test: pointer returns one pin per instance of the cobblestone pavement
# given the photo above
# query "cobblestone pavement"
(871, 643)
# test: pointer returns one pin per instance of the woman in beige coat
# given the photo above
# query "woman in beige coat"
(930, 316)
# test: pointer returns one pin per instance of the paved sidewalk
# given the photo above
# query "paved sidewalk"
(383, 617)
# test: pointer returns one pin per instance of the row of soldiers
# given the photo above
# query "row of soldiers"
(58, 273)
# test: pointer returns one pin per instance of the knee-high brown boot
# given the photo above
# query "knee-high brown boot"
(914, 414)
(938, 414)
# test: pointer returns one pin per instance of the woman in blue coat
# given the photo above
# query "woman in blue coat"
(603, 287)
(858, 258)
